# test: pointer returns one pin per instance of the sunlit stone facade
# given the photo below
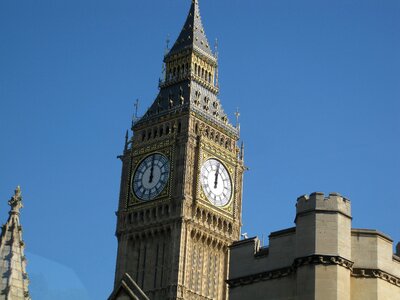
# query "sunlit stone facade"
(322, 257)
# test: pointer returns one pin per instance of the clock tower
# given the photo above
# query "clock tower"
(181, 184)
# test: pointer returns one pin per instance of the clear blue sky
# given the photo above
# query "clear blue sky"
(317, 83)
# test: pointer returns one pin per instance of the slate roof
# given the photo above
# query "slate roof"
(192, 35)
(187, 92)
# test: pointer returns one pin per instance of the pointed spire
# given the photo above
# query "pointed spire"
(14, 283)
(190, 79)
(126, 140)
(192, 35)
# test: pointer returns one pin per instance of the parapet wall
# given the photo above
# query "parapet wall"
(322, 255)
(318, 202)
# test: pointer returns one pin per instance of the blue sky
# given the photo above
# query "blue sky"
(317, 84)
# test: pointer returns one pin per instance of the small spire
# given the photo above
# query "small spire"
(216, 48)
(136, 105)
(216, 53)
(135, 117)
(164, 66)
(126, 140)
(242, 151)
(237, 114)
(14, 278)
(168, 40)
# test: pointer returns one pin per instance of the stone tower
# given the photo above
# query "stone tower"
(181, 183)
(14, 279)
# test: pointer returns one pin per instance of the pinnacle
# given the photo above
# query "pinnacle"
(192, 34)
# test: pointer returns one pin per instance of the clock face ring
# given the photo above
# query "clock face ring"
(216, 182)
(151, 176)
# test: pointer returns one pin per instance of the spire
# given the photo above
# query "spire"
(14, 279)
(192, 35)
(190, 81)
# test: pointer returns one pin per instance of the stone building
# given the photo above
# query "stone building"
(322, 257)
(14, 279)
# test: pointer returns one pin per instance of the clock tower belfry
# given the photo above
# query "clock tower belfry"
(181, 184)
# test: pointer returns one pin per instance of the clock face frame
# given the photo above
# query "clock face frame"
(216, 182)
(151, 176)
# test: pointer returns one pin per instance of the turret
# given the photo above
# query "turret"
(323, 234)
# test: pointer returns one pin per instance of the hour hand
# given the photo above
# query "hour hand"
(216, 177)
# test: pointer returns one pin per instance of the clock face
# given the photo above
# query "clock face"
(151, 176)
(216, 182)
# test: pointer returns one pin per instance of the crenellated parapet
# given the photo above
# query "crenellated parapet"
(318, 202)
(322, 255)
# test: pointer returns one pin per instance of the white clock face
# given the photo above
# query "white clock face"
(151, 176)
(216, 182)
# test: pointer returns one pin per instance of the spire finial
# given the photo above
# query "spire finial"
(216, 48)
(16, 201)
(237, 114)
(135, 115)
(136, 105)
(167, 41)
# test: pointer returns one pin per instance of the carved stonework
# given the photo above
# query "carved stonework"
(175, 245)
(376, 273)
(14, 278)
(283, 272)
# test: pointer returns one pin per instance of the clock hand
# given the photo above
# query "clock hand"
(151, 170)
(216, 177)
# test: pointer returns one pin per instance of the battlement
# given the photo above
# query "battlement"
(318, 202)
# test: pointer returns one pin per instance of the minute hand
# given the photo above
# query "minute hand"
(216, 178)
(151, 171)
